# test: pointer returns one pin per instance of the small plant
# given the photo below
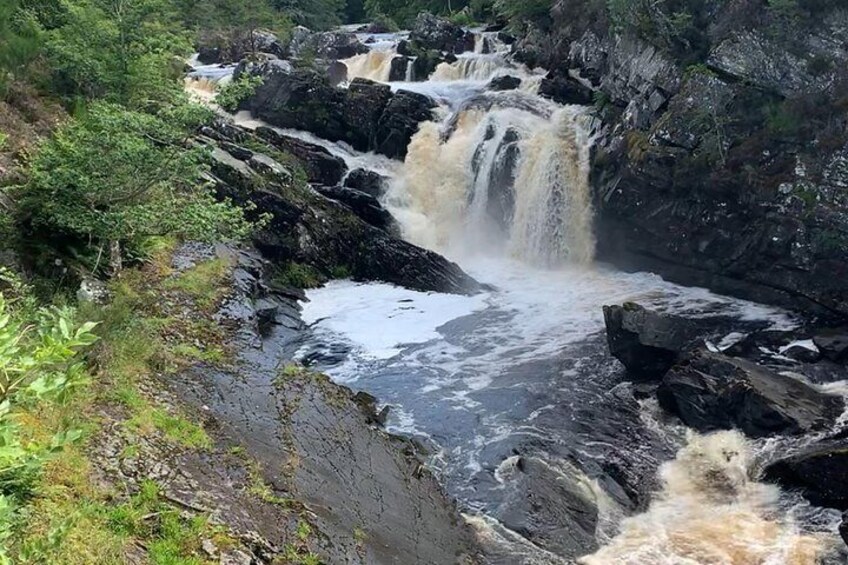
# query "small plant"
(39, 363)
(4, 138)
(297, 275)
(233, 94)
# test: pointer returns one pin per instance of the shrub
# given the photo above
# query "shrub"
(116, 177)
(232, 94)
(40, 364)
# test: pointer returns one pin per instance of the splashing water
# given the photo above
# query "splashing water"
(374, 65)
(506, 180)
(711, 513)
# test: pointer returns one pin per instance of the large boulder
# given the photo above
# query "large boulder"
(648, 343)
(330, 45)
(504, 82)
(819, 472)
(833, 344)
(400, 120)
(433, 32)
(710, 391)
(367, 115)
(565, 89)
(321, 166)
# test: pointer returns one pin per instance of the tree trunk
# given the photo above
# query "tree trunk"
(115, 261)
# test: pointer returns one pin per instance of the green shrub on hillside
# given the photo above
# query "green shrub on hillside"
(116, 177)
(39, 363)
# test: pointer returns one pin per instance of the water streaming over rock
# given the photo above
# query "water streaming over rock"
(513, 390)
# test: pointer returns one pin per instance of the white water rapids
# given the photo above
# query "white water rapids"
(500, 185)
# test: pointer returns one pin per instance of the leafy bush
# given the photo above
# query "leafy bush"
(232, 94)
(533, 11)
(20, 40)
(116, 177)
(39, 363)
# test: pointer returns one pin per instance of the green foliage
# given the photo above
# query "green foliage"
(121, 176)
(405, 13)
(232, 94)
(125, 52)
(314, 14)
(3, 139)
(532, 11)
(20, 40)
(205, 283)
(677, 26)
(298, 275)
(39, 363)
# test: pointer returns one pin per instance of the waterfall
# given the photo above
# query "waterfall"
(470, 67)
(506, 180)
(710, 511)
(374, 65)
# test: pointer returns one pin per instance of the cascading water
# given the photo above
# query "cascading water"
(506, 179)
(518, 378)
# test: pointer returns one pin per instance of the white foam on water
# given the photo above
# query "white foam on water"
(381, 319)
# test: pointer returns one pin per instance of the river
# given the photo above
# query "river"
(528, 421)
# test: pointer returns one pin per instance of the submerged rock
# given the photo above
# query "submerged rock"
(833, 344)
(648, 343)
(710, 391)
(819, 472)
(505, 82)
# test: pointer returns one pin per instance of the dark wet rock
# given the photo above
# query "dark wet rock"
(506, 38)
(366, 115)
(399, 67)
(505, 82)
(306, 441)
(400, 120)
(336, 73)
(843, 527)
(404, 48)
(553, 508)
(565, 89)
(802, 354)
(366, 181)
(500, 183)
(307, 228)
(710, 391)
(321, 166)
(331, 45)
(833, 344)
(368, 404)
(648, 343)
(376, 27)
(363, 205)
(237, 151)
(819, 472)
(433, 32)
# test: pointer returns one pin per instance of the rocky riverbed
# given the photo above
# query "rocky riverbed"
(516, 400)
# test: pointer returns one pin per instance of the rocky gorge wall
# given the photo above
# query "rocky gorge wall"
(722, 159)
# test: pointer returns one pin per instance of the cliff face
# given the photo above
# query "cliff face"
(722, 158)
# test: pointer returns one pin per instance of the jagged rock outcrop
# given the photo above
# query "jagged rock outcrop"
(305, 227)
(321, 166)
(367, 115)
(648, 343)
(723, 158)
(363, 205)
(709, 392)
(433, 32)
(818, 471)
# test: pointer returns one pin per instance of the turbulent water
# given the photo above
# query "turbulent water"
(518, 377)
